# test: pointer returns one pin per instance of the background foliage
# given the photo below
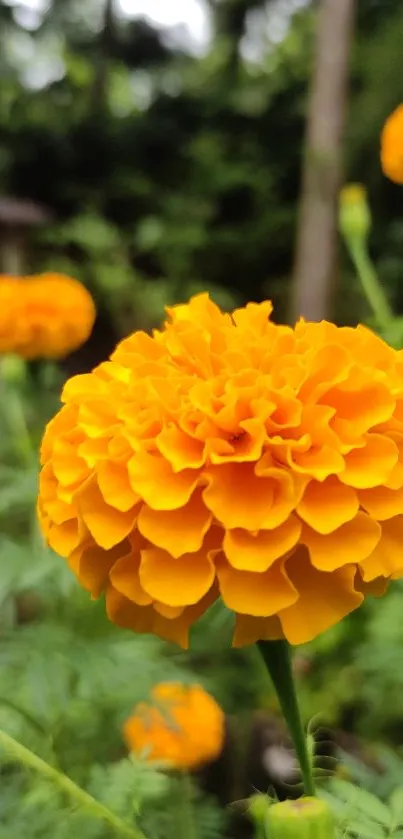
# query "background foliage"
(165, 173)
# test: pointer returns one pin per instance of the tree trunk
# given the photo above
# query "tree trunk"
(316, 249)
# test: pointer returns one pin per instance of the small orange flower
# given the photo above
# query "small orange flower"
(184, 727)
(392, 146)
(229, 456)
(44, 316)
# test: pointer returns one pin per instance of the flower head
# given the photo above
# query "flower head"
(44, 316)
(183, 727)
(230, 456)
(392, 146)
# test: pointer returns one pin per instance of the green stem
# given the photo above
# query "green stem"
(14, 413)
(369, 281)
(27, 758)
(276, 656)
(186, 822)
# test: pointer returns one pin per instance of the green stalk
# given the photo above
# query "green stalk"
(186, 821)
(30, 760)
(369, 281)
(276, 656)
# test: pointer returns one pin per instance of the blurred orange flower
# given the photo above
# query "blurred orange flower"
(392, 146)
(230, 456)
(44, 316)
(183, 727)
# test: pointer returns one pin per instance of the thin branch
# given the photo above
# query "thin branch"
(26, 758)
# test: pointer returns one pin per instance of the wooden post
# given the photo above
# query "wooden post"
(316, 248)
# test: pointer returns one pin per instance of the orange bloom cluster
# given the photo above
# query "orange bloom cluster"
(392, 146)
(183, 727)
(44, 316)
(230, 456)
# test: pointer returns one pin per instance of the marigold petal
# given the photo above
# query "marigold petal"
(247, 551)
(375, 588)
(138, 345)
(359, 410)
(258, 594)
(324, 599)
(59, 511)
(156, 482)
(327, 505)
(330, 365)
(107, 525)
(113, 482)
(387, 559)
(177, 531)
(67, 467)
(317, 462)
(248, 630)
(371, 465)
(180, 449)
(259, 502)
(382, 503)
(93, 565)
(82, 385)
(63, 538)
(254, 317)
(246, 445)
(168, 611)
(176, 582)
(145, 619)
(124, 576)
(352, 542)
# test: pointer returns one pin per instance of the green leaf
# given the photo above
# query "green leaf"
(363, 801)
(396, 806)
(365, 830)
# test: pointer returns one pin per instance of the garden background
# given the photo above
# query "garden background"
(152, 163)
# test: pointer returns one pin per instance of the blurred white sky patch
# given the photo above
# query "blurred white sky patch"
(187, 21)
(187, 24)
(184, 25)
(267, 27)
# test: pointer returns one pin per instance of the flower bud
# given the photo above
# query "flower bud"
(354, 212)
(306, 818)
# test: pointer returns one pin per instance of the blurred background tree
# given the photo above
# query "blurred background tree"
(152, 163)
(169, 165)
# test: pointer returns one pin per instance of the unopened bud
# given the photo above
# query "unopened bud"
(354, 212)
(306, 818)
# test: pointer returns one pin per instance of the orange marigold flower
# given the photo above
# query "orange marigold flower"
(44, 316)
(392, 146)
(183, 727)
(230, 456)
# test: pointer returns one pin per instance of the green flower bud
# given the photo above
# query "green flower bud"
(306, 818)
(258, 807)
(354, 212)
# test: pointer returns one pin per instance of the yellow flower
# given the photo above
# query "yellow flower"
(230, 456)
(392, 146)
(44, 316)
(183, 727)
